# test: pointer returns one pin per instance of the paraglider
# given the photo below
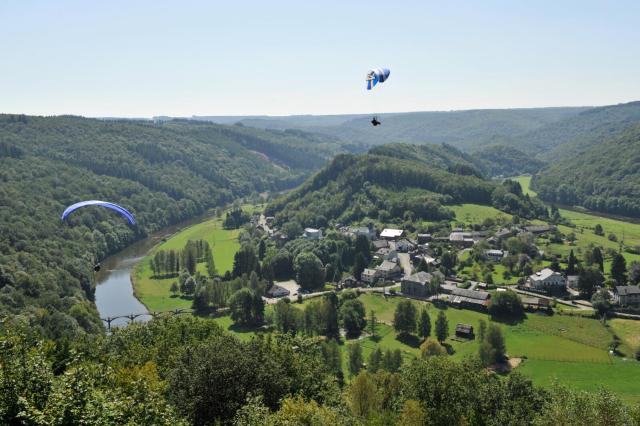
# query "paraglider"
(375, 76)
(124, 212)
(96, 267)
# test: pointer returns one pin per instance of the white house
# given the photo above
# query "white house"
(312, 233)
(391, 234)
(547, 280)
(368, 232)
(388, 270)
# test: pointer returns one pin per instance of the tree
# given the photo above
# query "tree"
(292, 229)
(601, 302)
(246, 307)
(211, 265)
(262, 249)
(634, 273)
(359, 265)
(482, 329)
(588, 280)
(412, 414)
(174, 288)
(442, 327)
(496, 341)
(190, 260)
(329, 317)
(363, 396)
(245, 261)
(286, 317)
(571, 264)
(363, 246)
(430, 347)
(424, 323)
(404, 318)
(355, 358)
(392, 360)
(352, 314)
(598, 230)
(332, 356)
(506, 305)
(309, 271)
(372, 324)
(619, 269)
(375, 360)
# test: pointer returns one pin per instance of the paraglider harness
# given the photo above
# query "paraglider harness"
(375, 121)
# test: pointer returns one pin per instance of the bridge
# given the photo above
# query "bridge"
(132, 317)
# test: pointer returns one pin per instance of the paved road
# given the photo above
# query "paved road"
(405, 263)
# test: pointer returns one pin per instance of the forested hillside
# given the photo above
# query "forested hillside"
(501, 160)
(562, 140)
(604, 178)
(466, 130)
(397, 183)
(163, 173)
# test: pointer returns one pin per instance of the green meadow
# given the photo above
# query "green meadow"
(155, 293)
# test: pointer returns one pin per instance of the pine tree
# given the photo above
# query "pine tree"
(424, 324)
(375, 361)
(619, 269)
(355, 358)
(442, 327)
(372, 324)
(571, 263)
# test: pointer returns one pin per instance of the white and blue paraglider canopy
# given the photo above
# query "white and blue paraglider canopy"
(377, 75)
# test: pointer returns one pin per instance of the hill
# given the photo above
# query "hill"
(395, 183)
(566, 138)
(466, 130)
(501, 160)
(163, 173)
(606, 177)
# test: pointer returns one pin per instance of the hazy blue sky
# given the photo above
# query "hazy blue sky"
(139, 58)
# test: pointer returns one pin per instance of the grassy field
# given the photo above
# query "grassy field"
(475, 213)
(570, 348)
(629, 333)
(155, 294)
(525, 183)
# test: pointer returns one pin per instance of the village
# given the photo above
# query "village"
(411, 267)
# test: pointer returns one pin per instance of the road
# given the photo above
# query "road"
(584, 305)
(405, 263)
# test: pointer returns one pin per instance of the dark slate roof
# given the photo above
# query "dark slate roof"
(627, 290)
(471, 294)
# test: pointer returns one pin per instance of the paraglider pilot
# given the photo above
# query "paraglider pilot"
(375, 121)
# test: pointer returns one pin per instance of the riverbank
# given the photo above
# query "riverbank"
(155, 293)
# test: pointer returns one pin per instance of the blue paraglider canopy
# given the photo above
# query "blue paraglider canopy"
(377, 75)
(124, 212)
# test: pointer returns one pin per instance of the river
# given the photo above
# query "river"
(114, 290)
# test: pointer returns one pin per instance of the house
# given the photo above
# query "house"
(463, 239)
(504, 233)
(349, 282)
(277, 291)
(367, 231)
(386, 254)
(547, 280)
(573, 281)
(312, 233)
(417, 284)
(472, 299)
(539, 229)
(424, 238)
(404, 245)
(391, 234)
(388, 270)
(627, 295)
(464, 330)
(429, 260)
(495, 255)
(378, 244)
(369, 276)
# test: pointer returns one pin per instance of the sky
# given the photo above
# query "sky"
(182, 58)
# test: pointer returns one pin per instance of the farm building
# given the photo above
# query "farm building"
(472, 299)
(465, 331)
